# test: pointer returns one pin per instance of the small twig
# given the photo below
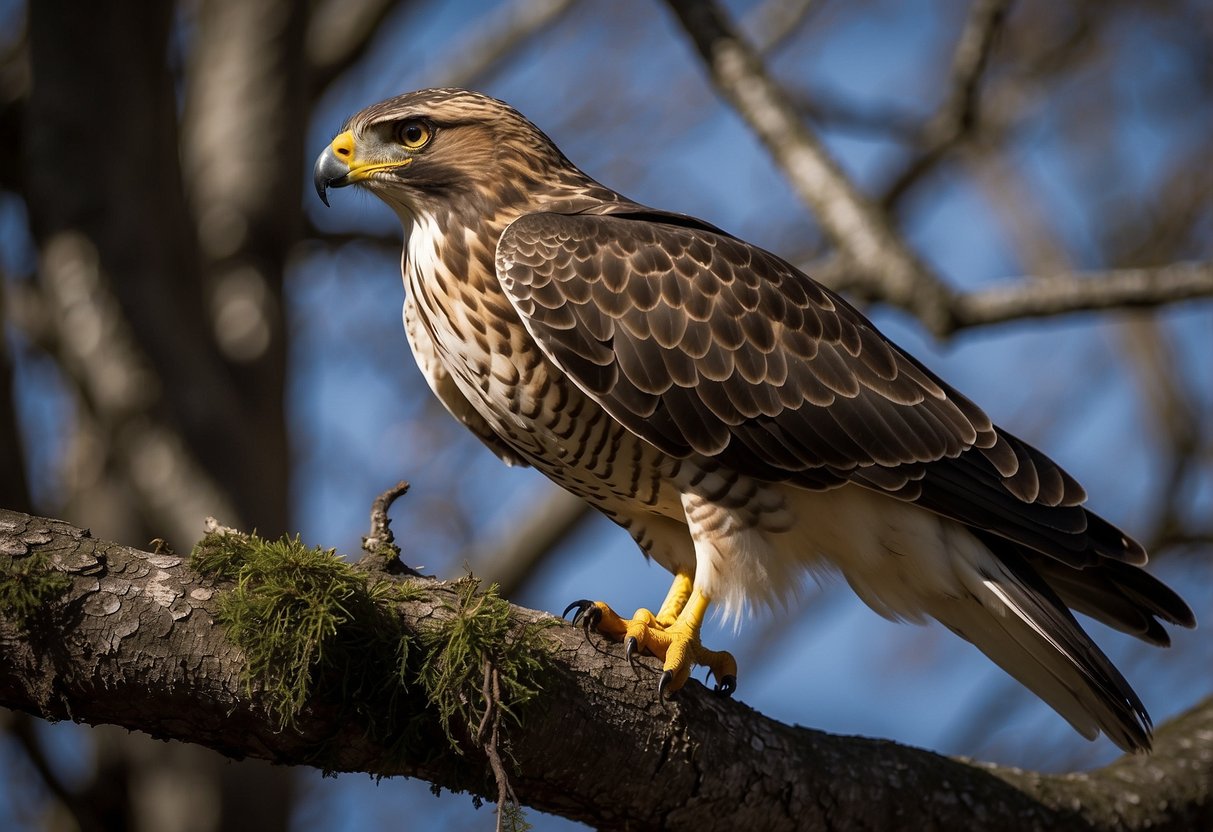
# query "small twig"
(958, 116)
(380, 543)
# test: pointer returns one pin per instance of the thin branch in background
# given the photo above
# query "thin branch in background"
(339, 34)
(858, 227)
(1040, 296)
(499, 36)
(958, 116)
(511, 561)
(775, 21)
(1029, 229)
(1082, 292)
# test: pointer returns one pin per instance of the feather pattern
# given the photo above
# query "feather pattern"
(741, 421)
(704, 344)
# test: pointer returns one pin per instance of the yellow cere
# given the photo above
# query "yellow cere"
(343, 148)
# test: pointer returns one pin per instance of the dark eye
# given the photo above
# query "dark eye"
(414, 134)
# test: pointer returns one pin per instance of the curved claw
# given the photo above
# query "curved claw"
(590, 618)
(667, 678)
(581, 606)
(630, 648)
(727, 686)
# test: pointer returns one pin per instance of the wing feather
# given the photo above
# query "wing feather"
(702, 343)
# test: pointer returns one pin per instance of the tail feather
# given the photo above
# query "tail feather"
(1120, 595)
(1034, 637)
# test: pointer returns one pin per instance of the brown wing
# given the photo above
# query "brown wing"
(702, 343)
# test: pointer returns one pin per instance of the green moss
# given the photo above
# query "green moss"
(28, 584)
(476, 637)
(312, 627)
(302, 616)
(513, 819)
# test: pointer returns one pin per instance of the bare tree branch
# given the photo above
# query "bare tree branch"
(875, 261)
(133, 642)
(957, 117)
(1083, 292)
(858, 226)
(499, 36)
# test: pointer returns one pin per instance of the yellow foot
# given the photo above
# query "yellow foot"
(676, 644)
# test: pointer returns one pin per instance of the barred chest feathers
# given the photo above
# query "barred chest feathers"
(461, 325)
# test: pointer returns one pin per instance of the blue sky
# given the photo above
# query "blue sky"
(844, 669)
(359, 410)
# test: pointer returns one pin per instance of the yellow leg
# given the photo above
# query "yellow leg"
(675, 599)
(672, 635)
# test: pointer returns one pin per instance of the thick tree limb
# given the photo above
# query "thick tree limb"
(133, 642)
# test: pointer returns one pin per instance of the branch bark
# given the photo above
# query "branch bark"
(1084, 292)
(133, 642)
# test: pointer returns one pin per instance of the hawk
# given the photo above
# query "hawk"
(742, 422)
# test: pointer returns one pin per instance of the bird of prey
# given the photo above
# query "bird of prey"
(742, 422)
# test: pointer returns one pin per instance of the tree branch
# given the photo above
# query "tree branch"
(133, 642)
(339, 34)
(958, 116)
(857, 225)
(1084, 292)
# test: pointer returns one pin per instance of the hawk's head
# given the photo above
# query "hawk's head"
(441, 147)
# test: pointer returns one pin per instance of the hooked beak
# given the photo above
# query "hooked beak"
(336, 166)
(332, 169)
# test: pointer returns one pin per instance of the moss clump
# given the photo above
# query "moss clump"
(302, 615)
(28, 584)
(473, 664)
(311, 626)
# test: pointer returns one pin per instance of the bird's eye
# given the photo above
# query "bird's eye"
(415, 134)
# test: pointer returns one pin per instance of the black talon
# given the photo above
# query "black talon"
(630, 646)
(727, 686)
(590, 618)
(667, 676)
(581, 606)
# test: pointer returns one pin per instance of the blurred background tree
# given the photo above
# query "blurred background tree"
(187, 332)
